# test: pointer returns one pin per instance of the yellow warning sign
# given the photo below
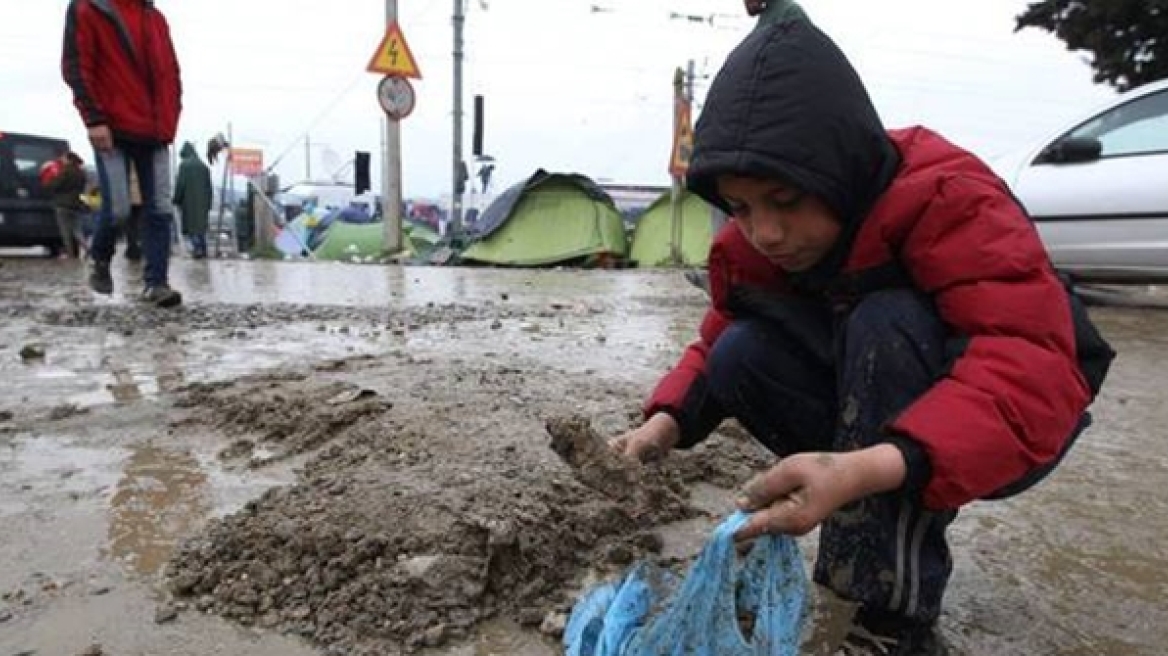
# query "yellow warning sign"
(393, 56)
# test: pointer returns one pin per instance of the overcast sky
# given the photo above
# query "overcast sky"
(567, 88)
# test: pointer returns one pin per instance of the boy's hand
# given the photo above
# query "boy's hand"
(796, 495)
(755, 7)
(650, 441)
(101, 137)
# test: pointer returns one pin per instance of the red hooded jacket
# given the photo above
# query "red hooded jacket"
(120, 63)
(788, 105)
(1012, 399)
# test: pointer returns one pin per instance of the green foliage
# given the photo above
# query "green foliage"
(1128, 39)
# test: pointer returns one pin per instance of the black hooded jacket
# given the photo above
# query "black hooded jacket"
(787, 104)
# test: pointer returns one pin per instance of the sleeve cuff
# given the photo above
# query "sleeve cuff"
(918, 468)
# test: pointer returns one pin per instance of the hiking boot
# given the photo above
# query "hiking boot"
(133, 254)
(162, 296)
(100, 279)
(884, 635)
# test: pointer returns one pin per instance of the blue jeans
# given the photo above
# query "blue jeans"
(885, 551)
(152, 164)
(198, 245)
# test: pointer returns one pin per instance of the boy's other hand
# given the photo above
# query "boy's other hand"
(649, 441)
(755, 7)
(101, 137)
(796, 495)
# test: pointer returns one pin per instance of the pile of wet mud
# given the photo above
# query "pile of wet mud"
(388, 543)
(279, 415)
(431, 497)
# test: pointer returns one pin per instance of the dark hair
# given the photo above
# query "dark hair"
(74, 158)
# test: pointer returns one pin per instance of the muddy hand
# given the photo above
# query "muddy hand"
(649, 442)
(796, 495)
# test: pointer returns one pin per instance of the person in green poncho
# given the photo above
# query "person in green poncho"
(192, 196)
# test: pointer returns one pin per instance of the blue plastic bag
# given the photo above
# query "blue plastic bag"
(651, 612)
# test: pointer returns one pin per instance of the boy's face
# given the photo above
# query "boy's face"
(792, 229)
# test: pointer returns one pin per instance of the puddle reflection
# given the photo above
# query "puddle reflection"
(161, 497)
(170, 366)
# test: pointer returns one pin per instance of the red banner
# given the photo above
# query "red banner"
(683, 138)
(246, 161)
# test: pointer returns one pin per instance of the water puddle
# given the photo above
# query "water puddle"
(155, 496)
(601, 320)
(87, 368)
(48, 466)
(327, 283)
(608, 344)
(161, 497)
(165, 495)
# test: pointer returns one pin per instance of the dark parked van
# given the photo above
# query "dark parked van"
(26, 211)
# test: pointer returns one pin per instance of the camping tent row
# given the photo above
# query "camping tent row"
(559, 218)
(342, 241)
(548, 219)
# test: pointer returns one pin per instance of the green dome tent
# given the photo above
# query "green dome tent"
(548, 219)
(654, 233)
(364, 242)
(352, 242)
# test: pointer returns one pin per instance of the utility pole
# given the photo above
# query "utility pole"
(227, 177)
(690, 74)
(391, 177)
(307, 158)
(675, 190)
(457, 188)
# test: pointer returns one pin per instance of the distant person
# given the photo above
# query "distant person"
(244, 226)
(92, 200)
(193, 197)
(66, 185)
(120, 63)
(774, 11)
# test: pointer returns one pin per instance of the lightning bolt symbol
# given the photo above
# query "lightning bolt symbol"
(393, 52)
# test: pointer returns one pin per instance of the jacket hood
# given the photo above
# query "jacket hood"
(188, 151)
(108, 5)
(787, 104)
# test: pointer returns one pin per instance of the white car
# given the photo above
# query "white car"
(1098, 190)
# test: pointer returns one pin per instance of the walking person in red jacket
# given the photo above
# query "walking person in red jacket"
(66, 182)
(120, 63)
(884, 318)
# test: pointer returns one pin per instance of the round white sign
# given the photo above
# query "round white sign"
(396, 96)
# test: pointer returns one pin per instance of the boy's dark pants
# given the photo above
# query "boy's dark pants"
(827, 386)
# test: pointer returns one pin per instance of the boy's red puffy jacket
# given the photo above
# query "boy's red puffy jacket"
(1010, 402)
(788, 105)
(120, 63)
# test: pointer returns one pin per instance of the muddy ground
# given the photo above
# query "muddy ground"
(364, 460)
